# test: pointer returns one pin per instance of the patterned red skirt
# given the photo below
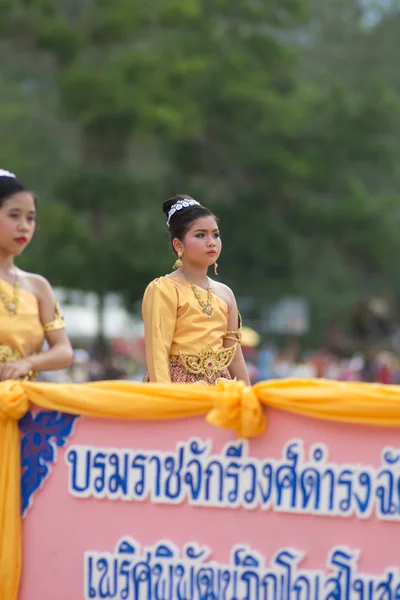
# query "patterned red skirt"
(181, 375)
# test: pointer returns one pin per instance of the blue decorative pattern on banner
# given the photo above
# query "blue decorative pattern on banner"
(41, 434)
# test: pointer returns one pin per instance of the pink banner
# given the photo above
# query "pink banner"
(179, 509)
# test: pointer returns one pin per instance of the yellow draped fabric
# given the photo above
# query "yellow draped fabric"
(229, 404)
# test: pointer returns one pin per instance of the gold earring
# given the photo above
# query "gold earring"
(216, 268)
(178, 262)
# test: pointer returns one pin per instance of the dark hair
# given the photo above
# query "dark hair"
(10, 185)
(182, 220)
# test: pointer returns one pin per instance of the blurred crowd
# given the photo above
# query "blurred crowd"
(368, 351)
(373, 365)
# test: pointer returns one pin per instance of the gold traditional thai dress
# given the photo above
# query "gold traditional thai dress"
(22, 334)
(183, 344)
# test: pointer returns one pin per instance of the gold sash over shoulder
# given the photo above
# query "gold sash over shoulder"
(208, 362)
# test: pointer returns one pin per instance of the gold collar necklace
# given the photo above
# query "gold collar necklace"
(10, 303)
(207, 306)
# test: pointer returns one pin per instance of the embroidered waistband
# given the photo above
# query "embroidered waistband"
(206, 363)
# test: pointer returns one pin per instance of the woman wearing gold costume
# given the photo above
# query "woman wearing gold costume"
(28, 310)
(192, 325)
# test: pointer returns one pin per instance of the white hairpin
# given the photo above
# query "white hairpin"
(4, 173)
(179, 205)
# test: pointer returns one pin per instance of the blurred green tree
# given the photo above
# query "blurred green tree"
(249, 107)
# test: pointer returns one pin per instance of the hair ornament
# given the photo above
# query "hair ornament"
(4, 173)
(185, 203)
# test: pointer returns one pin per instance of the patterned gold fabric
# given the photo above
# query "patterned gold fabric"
(208, 364)
(176, 326)
(179, 374)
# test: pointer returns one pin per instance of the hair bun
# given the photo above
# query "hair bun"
(9, 184)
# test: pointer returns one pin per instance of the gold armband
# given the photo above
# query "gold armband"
(236, 334)
(56, 323)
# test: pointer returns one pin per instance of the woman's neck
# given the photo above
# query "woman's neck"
(195, 275)
(7, 266)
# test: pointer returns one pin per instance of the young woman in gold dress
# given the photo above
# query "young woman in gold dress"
(29, 313)
(192, 325)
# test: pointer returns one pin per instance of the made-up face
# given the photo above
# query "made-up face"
(17, 223)
(202, 243)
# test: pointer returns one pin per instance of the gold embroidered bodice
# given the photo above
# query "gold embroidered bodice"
(23, 334)
(176, 328)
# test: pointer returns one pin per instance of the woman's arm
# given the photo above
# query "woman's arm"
(60, 353)
(237, 368)
(159, 311)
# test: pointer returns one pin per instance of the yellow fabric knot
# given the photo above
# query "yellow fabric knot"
(14, 403)
(237, 407)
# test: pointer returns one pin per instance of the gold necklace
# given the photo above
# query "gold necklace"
(10, 303)
(206, 307)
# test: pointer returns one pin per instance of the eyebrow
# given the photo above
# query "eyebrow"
(16, 209)
(204, 230)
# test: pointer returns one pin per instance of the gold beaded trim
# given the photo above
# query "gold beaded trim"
(10, 303)
(7, 354)
(57, 323)
(206, 363)
(206, 307)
